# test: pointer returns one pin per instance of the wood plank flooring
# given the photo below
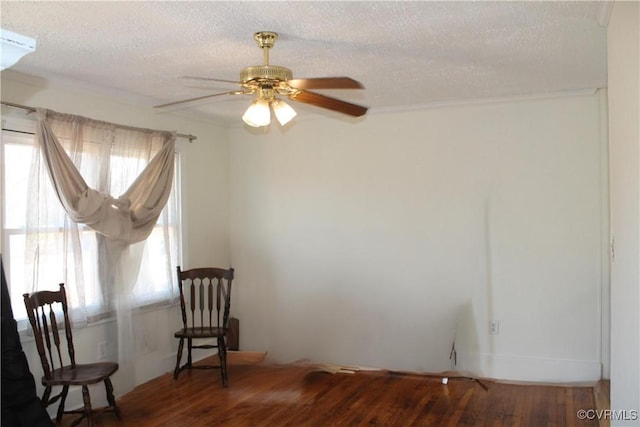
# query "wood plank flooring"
(262, 395)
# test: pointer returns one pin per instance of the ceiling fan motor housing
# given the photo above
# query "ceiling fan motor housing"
(268, 72)
(264, 74)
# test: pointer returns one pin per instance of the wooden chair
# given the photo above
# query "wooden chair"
(61, 369)
(205, 299)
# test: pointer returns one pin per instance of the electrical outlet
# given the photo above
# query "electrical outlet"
(494, 327)
(102, 350)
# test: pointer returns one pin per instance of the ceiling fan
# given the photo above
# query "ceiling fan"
(269, 82)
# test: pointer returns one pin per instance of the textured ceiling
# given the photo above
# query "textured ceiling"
(407, 54)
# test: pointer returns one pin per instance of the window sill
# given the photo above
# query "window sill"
(26, 334)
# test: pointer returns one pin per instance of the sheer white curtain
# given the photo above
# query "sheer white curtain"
(97, 252)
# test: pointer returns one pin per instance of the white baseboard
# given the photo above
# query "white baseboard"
(533, 369)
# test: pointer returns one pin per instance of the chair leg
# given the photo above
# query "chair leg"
(63, 398)
(112, 400)
(176, 371)
(189, 346)
(222, 355)
(46, 395)
(87, 405)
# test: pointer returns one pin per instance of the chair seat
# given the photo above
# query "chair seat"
(89, 373)
(200, 332)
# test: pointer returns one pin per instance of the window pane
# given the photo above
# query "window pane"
(15, 265)
(16, 178)
(162, 252)
(79, 269)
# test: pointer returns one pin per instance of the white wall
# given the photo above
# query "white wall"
(366, 244)
(205, 218)
(623, 45)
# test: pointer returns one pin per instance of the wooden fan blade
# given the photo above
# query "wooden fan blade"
(329, 103)
(325, 83)
(197, 99)
(210, 79)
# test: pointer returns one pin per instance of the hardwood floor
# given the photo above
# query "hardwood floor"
(262, 395)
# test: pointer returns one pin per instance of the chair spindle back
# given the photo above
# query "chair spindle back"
(42, 308)
(205, 297)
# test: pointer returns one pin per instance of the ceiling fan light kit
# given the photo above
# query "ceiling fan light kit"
(284, 112)
(270, 82)
(258, 113)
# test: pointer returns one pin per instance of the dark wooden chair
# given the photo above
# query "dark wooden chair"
(58, 363)
(205, 299)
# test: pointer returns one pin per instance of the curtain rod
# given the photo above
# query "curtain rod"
(191, 138)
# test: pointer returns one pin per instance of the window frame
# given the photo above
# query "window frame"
(13, 127)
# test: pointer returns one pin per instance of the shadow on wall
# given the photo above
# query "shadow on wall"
(469, 346)
(466, 342)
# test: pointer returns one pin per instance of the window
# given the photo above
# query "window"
(80, 273)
